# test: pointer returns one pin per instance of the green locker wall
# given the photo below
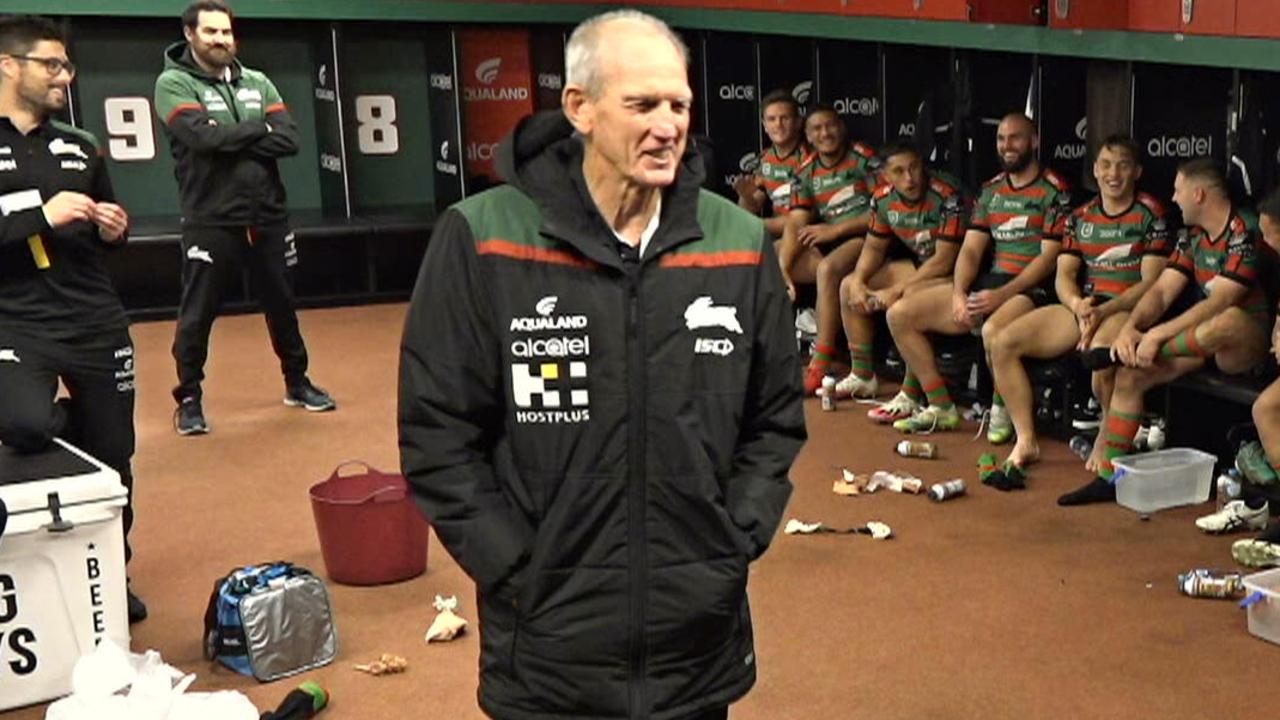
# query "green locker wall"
(121, 59)
(376, 61)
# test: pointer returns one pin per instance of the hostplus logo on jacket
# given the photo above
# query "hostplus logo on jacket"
(549, 365)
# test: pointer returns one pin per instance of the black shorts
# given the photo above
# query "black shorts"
(1041, 295)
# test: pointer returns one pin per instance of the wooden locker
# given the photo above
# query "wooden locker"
(883, 8)
(1089, 14)
(1209, 17)
(1258, 18)
(1014, 12)
(1155, 15)
(961, 10)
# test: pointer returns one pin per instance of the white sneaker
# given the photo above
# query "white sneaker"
(807, 321)
(853, 386)
(901, 406)
(1233, 517)
(999, 425)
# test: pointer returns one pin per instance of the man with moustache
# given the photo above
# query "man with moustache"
(227, 126)
(60, 316)
(603, 446)
(1023, 211)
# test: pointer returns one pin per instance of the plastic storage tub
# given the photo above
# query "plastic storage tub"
(1163, 479)
(1264, 615)
(62, 581)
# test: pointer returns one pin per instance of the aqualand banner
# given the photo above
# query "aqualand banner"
(497, 91)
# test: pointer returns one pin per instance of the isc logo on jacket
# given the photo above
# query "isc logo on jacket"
(703, 314)
(549, 366)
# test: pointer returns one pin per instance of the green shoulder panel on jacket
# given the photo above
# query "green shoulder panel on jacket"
(726, 227)
(78, 132)
(506, 214)
(174, 87)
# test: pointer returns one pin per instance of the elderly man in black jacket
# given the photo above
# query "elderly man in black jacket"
(600, 400)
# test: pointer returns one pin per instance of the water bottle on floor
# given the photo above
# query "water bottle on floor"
(1229, 487)
(1081, 445)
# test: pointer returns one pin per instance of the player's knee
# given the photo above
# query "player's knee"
(899, 316)
(1266, 408)
(25, 429)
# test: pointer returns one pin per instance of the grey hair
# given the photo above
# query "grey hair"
(582, 56)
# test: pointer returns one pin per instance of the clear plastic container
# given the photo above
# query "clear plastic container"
(1163, 479)
(1264, 615)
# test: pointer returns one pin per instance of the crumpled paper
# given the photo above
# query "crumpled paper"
(447, 624)
(113, 684)
(877, 530)
(854, 484)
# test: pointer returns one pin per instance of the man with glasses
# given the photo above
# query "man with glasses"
(60, 316)
(227, 126)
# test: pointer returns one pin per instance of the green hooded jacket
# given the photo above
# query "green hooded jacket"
(225, 134)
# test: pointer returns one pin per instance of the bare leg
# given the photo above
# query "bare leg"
(917, 313)
(1266, 416)
(831, 270)
(1104, 383)
(1047, 332)
(859, 328)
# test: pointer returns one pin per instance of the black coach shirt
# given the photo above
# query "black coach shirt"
(53, 282)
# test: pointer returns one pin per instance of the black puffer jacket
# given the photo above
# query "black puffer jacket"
(603, 446)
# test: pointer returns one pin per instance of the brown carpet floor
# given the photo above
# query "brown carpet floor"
(990, 606)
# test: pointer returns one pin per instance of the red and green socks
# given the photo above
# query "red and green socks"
(860, 360)
(937, 394)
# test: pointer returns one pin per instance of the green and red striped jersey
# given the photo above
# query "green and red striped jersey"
(938, 216)
(1112, 246)
(1233, 254)
(833, 193)
(1019, 218)
(779, 173)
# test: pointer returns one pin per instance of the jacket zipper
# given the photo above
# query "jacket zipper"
(638, 557)
(235, 114)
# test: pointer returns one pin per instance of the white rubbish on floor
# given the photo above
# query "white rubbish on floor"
(113, 684)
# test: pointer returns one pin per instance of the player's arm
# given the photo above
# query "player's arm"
(186, 118)
(1035, 272)
(282, 135)
(1152, 267)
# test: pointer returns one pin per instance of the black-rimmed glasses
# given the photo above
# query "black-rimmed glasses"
(53, 65)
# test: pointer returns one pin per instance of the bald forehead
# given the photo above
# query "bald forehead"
(1015, 122)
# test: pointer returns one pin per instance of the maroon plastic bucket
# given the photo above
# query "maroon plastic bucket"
(369, 528)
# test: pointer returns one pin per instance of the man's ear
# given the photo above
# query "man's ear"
(188, 33)
(578, 108)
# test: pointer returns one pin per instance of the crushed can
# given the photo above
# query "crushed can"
(917, 449)
(945, 491)
(1205, 583)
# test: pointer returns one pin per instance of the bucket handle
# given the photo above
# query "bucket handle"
(337, 472)
(381, 495)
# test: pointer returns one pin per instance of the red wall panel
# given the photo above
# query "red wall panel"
(497, 90)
